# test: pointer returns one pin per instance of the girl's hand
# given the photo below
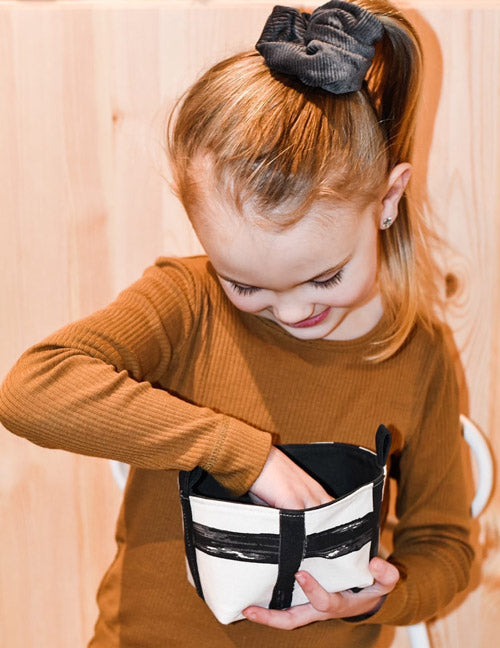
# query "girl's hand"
(283, 484)
(324, 605)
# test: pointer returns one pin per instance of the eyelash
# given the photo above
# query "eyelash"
(243, 290)
(333, 281)
(328, 283)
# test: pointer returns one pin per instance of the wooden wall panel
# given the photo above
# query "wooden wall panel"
(84, 90)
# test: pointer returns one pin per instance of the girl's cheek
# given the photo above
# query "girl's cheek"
(246, 303)
(350, 295)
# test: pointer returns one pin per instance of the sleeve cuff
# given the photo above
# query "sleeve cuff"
(241, 453)
(366, 615)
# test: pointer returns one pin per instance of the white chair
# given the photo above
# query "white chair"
(120, 472)
(418, 634)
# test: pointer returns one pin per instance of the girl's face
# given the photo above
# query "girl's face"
(317, 279)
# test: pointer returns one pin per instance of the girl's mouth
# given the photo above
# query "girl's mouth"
(311, 321)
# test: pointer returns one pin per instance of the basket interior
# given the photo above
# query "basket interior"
(339, 467)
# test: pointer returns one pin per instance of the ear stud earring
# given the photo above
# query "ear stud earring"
(386, 223)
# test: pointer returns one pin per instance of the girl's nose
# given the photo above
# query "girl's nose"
(290, 311)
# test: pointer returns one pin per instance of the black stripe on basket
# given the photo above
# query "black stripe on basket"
(291, 552)
(264, 547)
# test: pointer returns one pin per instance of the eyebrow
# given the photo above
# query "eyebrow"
(332, 270)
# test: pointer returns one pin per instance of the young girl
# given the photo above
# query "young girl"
(307, 321)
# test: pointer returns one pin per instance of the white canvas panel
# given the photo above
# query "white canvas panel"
(234, 516)
(232, 585)
(342, 511)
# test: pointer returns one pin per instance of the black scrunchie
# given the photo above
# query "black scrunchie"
(332, 48)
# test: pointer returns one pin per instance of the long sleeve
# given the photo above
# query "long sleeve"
(431, 547)
(91, 388)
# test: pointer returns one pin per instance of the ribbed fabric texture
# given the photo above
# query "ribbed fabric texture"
(170, 376)
(332, 48)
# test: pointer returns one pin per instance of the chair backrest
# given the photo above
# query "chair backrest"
(418, 634)
(484, 464)
(120, 472)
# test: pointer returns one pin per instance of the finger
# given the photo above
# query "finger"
(320, 599)
(294, 617)
(337, 604)
(386, 575)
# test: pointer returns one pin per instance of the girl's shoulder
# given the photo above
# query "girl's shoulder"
(191, 276)
(434, 336)
(431, 348)
(196, 269)
(190, 282)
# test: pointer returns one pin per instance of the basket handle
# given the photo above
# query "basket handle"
(383, 440)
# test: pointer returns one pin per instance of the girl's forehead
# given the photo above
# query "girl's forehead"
(241, 250)
(214, 209)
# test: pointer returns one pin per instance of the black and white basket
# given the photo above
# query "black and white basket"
(240, 554)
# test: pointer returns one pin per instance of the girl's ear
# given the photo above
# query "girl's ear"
(396, 184)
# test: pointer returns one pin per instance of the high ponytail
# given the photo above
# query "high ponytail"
(407, 270)
(394, 79)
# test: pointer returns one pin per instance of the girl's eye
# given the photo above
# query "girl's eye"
(332, 281)
(243, 290)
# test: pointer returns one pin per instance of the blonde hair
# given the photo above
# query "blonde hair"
(269, 136)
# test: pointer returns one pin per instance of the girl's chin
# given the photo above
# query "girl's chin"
(312, 332)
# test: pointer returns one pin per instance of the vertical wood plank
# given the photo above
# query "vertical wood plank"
(463, 181)
(85, 89)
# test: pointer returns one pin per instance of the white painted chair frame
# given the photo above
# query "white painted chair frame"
(417, 634)
(120, 472)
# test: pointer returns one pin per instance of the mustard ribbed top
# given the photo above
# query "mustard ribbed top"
(171, 376)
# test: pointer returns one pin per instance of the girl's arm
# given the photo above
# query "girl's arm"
(431, 540)
(88, 388)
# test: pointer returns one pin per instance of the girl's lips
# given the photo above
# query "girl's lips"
(311, 321)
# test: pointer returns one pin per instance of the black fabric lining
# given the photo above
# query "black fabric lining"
(340, 468)
(265, 547)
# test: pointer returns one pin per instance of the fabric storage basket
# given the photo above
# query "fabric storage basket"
(240, 554)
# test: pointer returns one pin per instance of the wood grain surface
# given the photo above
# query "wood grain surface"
(85, 207)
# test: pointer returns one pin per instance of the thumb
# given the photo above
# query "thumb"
(385, 574)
